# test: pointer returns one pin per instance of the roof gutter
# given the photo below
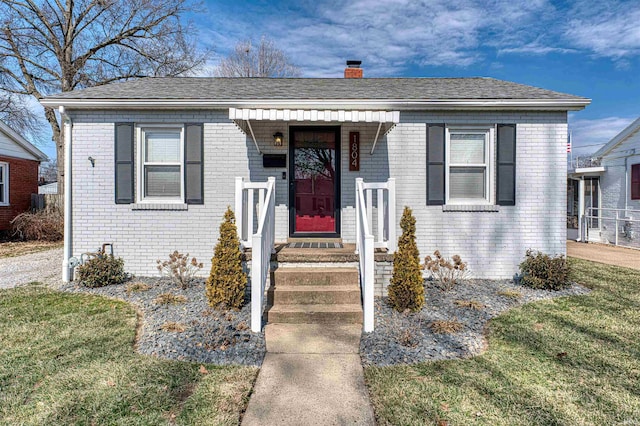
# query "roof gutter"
(425, 104)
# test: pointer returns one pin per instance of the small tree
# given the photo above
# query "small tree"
(227, 282)
(406, 290)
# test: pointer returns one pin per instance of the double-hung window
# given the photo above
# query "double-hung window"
(469, 153)
(160, 171)
(4, 184)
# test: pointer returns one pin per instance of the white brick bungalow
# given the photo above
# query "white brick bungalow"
(611, 187)
(480, 161)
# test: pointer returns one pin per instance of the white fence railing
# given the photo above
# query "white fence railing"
(385, 195)
(614, 226)
(248, 207)
(366, 252)
(261, 243)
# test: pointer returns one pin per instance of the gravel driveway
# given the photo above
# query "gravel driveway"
(44, 267)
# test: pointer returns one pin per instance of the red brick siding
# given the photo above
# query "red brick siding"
(23, 181)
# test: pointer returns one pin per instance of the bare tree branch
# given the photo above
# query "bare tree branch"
(265, 60)
(49, 46)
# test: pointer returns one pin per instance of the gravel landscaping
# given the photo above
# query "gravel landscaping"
(408, 338)
(186, 330)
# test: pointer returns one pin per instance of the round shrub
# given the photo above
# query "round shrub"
(541, 271)
(101, 271)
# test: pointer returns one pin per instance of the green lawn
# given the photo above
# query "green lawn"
(69, 359)
(569, 361)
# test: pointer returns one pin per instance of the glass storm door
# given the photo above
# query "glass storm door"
(314, 185)
(592, 199)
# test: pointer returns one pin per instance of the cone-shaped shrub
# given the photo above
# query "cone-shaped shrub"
(406, 290)
(227, 282)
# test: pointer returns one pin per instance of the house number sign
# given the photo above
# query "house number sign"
(354, 151)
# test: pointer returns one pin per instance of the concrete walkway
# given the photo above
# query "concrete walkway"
(311, 375)
(611, 255)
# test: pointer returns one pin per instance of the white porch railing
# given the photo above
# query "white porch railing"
(385, 195)
(613, 226)
(367, 242)
(365, 250)
(248, 207)
(261, 243)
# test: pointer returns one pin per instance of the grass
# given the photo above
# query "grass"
(19, 248)
(568, 361)
(510, 294)
(69, 359)
(446, 326)
(137, 287)
(470, 304)
(170, 299)
(173, 326)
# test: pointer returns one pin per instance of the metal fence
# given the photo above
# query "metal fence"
(620, 227)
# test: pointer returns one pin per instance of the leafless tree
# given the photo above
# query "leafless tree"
(49, 46)
(264, 60)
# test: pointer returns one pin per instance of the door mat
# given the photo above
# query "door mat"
(314, 245)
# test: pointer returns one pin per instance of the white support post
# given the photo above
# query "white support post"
(67, 272)
(256, 284)
(250, 209)
(369, 201)
(391, 184)
(581, 219)
(239, 213)
(358, 183)
(617, 232)
(380, 215)
(369, 278)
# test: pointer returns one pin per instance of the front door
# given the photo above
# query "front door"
(314, 181)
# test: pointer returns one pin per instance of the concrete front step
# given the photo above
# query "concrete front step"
(318, 276)
(312, 294)
(316, 313)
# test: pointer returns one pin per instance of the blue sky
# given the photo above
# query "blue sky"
(587, 48)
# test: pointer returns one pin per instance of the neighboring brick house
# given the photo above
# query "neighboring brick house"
(612, 187)
(480, 161)
(19, 162)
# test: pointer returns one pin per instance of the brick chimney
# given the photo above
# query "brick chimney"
(353, 69)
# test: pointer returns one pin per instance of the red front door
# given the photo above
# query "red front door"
(315, 181)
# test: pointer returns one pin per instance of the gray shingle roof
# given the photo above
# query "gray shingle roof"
(200, 88)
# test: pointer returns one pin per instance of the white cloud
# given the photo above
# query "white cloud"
(608, 29)
(388, 35)
(590, 134)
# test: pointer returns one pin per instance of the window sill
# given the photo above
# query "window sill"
(490, 208)
(159, 206)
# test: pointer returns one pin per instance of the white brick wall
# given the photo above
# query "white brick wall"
(492, 243)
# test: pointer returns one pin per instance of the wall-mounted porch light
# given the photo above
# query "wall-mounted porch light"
(278, 139)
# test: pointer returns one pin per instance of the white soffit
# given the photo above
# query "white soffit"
(341, 116)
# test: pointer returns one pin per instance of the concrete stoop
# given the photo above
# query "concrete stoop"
(314, 295)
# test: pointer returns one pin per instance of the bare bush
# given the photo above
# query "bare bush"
(43, 225)
(179, 268)
(446, 272)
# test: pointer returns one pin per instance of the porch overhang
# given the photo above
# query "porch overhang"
(383, 118)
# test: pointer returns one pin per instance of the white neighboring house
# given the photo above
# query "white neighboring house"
(612, 189)
(153, 163)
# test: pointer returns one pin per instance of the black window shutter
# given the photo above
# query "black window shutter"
(124, 163)
(506, 170)
(193, 162)
(435, 164)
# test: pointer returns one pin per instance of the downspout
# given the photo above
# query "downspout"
(67, 272)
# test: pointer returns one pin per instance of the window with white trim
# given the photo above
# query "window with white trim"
(160, 159)
(469, 154)
(4, 184)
